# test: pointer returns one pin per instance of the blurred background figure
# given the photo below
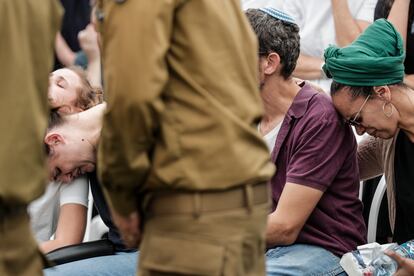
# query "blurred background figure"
(396, 11)
(76, 17)
(77, 42)
(255, 4)
(28, 30)
(323, 23)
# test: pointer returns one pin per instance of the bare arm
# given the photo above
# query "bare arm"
(294, 207)
(347, 28)
(308, 67)
(64, 54)
(88, 40)
(399, 17)
(70, 228)
(409, 80)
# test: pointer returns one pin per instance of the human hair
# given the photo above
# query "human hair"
(54, 120)
(276, 36)
(88, 96)
(357, 91)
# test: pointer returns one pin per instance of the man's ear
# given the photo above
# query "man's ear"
(54, 139)
(273, 64)
(383, 92)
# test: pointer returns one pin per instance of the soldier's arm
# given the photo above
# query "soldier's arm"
(136, 38)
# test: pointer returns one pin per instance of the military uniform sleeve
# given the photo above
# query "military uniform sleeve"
(136, 37)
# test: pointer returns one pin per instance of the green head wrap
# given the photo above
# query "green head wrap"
(375, 58)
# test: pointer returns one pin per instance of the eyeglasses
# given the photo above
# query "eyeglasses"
(356, 121)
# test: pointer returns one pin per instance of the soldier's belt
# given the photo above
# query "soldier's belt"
(209, 201)
(7, 211)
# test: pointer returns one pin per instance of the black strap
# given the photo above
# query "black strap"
(81, 251)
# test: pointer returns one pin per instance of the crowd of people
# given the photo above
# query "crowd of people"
(216, 137)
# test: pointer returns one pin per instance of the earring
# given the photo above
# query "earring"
(389, 114)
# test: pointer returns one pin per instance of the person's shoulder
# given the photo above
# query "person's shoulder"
(76, 191)
(321, 107)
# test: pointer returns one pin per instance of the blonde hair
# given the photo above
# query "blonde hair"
(88, 96)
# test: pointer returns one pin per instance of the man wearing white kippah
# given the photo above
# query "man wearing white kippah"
(316, 215)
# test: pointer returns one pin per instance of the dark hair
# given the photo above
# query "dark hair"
(88, 96)
(55, 120)
(276, 36)
(357, 91)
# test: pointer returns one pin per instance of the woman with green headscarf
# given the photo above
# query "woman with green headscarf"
(368, 91)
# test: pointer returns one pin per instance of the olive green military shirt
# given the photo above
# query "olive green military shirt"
(183, 100)
(28, 30)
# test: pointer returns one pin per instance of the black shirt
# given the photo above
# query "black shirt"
(404, 189)
(103, 210)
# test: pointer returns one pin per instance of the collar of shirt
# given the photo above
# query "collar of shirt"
(297, 109)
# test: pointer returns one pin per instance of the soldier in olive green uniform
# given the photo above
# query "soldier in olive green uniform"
(180, 141)
(27, 30)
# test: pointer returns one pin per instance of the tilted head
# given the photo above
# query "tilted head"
(368, 108)
(70, 91)
(366, 75)
(71, 142)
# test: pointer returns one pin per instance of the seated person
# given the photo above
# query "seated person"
(71, 144)
(61, 211)
(368, 91)
(316, 215)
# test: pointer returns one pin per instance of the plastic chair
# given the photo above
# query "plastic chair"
(374, 210)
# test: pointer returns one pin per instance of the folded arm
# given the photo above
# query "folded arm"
(70, 229)
(294, 208)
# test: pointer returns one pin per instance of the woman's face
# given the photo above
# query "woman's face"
(62, 94)
(367, 116)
